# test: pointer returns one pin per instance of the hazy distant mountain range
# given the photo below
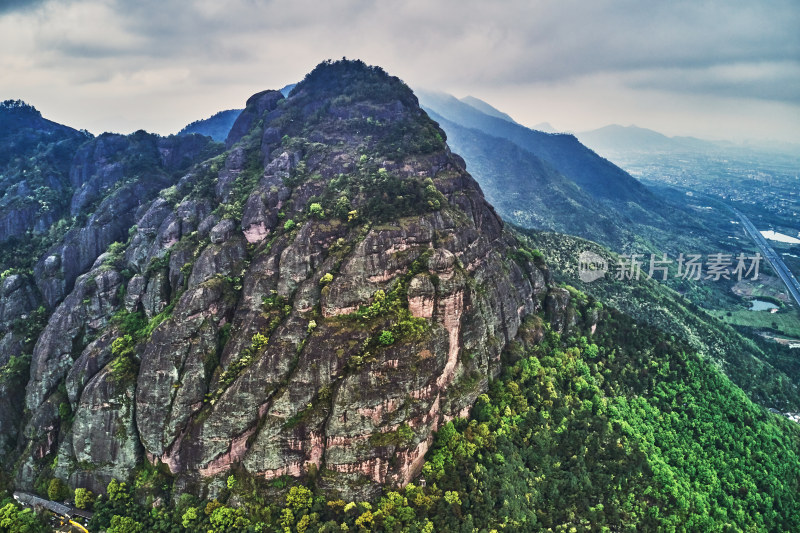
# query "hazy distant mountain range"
(216, 126)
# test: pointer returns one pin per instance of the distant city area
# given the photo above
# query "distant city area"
(717, 180)
(767, 189)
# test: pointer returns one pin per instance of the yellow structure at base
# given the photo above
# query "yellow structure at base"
(74, 523)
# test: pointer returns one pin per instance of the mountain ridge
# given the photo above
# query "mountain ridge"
(617, 140)
(530, 192)
(216, 126)
(35, 181)
(487, 108)
(594, 174)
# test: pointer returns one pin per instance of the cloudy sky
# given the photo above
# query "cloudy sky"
(714, 69)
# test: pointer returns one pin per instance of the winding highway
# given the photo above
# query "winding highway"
(774, 259)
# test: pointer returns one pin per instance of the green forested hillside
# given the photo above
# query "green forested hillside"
(625, 429)
(762, 369)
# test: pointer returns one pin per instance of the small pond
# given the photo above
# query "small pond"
(761, 305)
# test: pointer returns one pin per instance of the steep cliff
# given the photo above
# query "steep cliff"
(314, 302)
(99, 184)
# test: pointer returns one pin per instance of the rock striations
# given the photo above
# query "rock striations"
(314, 302)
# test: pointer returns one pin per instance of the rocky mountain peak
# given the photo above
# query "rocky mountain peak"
(312, 303)
(257, 105)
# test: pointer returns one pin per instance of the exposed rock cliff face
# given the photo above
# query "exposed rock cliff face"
(314, 302)
(115, 174)
(100, 183)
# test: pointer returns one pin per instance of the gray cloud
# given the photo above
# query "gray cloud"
(765, 81)
(215, 54)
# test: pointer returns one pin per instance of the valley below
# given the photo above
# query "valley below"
(744, 196)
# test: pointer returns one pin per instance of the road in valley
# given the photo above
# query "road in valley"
(774, 259)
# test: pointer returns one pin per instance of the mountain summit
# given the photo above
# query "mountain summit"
(315, 302)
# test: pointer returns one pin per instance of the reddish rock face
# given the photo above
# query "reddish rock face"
(421, 296)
